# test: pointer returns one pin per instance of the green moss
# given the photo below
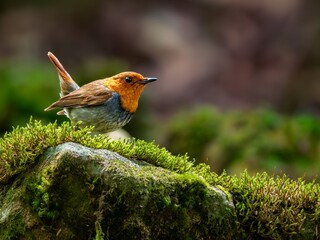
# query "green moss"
(42, 202)
(145, 201)
(192, 133)
(124, 200)
(13, 213)
(267, 207)
(272, 207)
(260, 140)
(17, 228)
(21, 147)
(99, 232)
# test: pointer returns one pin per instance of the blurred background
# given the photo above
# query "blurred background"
(239, 80)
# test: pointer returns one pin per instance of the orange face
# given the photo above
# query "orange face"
(129, 85)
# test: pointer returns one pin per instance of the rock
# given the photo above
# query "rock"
(75, 192)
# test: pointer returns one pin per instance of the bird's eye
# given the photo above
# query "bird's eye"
(128, 79)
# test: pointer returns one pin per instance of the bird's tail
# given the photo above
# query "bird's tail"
(67, 84)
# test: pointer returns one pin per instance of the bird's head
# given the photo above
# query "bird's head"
(129, 85)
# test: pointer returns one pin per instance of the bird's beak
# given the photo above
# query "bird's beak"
(147, 80)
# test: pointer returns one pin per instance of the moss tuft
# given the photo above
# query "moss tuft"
(21, 147)
(272, 207)
(99, 232)
(42, 202)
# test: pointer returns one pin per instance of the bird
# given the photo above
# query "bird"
(107, 104)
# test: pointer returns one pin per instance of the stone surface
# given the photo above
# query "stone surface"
(75, 192)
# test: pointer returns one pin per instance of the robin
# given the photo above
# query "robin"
(107, 104)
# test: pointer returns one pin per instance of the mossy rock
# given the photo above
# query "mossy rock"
(75, 192)
(141, 191)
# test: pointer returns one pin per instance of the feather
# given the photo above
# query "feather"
(99, 94)
(67, 85)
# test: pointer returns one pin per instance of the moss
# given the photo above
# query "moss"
(42, 202)
(259, 140)
(99, 232)
(16, 230)
(156, 199)
(272, 207)
(121, 200)
(194, 133)
(267, 207)
(21, 147)
(15, 217)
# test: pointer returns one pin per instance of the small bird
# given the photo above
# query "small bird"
(107, 104)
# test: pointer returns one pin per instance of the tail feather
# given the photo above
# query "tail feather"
(67, 84)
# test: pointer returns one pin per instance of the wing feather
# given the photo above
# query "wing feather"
(91, 94)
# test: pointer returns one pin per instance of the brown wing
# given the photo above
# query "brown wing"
(91, 94)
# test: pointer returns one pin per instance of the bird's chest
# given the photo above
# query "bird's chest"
(106, 118)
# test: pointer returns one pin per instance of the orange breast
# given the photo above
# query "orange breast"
(129, 94)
